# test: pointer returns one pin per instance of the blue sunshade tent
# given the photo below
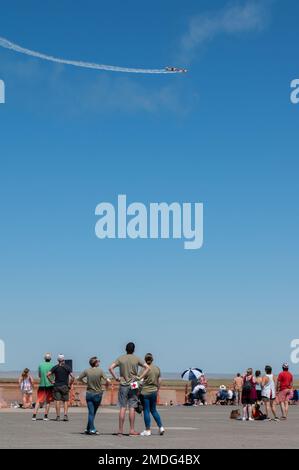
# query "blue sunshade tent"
(192, 374)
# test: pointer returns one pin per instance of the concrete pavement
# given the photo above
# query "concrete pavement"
(186, 428)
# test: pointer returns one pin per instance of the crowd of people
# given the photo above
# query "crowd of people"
(252, 391)
(139, 383)
(137, 392)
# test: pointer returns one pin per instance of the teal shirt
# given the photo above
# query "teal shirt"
(43, 369)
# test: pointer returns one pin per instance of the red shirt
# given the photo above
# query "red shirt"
(285, 380)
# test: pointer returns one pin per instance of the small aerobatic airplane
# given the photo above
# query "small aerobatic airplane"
(176, 69)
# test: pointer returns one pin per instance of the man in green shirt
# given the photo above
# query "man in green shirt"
(45, 389)
(128, 365)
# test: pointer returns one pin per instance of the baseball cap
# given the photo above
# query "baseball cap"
(285, 365)
(48, 356)
(60, 357)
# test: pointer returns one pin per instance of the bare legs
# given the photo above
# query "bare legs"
(284, 406)
(122, 416)
(270, 406)
(247, 411)
(65, 407)
(27, 400)
(37, 405)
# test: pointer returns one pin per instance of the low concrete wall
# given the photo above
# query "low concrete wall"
(10, 393)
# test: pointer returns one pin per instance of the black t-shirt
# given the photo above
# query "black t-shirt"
(61, 374)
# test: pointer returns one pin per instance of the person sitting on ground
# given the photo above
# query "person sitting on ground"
(231, 397)
(198, 393)
(189, 400)
(221, 396)
(294, 398)
(257, 413)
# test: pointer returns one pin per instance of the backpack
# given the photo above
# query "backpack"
(247, 385)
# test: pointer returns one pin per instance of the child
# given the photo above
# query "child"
(26, 386)
(257, 414)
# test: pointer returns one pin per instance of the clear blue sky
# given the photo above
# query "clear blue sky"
(224, 134)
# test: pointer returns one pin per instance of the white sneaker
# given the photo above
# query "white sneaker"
(250, 419)
(243, 419)
(146, 433)
(162, 431)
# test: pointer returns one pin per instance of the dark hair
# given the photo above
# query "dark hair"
(257, 373)
(25, 372)
(238, 374)
(268, 369)
(285, 368)
(93, 360)
(130, 348)
(149, 358)
(48, 359)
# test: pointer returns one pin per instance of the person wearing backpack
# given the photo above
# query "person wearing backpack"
(248, 395)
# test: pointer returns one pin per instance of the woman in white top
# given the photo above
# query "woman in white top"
(269, 392)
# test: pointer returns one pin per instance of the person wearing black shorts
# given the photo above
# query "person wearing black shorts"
(63, 378)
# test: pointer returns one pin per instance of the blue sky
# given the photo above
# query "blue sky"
(224, 134)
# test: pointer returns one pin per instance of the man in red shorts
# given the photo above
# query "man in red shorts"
(284, 389)
(45, 389)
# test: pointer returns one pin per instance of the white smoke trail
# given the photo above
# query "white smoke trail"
(10, 45)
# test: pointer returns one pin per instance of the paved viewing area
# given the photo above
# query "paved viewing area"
(202, 427)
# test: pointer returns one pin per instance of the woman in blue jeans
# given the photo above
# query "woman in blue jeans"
(149, 394)
(95, 379)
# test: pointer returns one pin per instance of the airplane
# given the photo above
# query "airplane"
(175, 69)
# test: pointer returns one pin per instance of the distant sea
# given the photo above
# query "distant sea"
(166, 375)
